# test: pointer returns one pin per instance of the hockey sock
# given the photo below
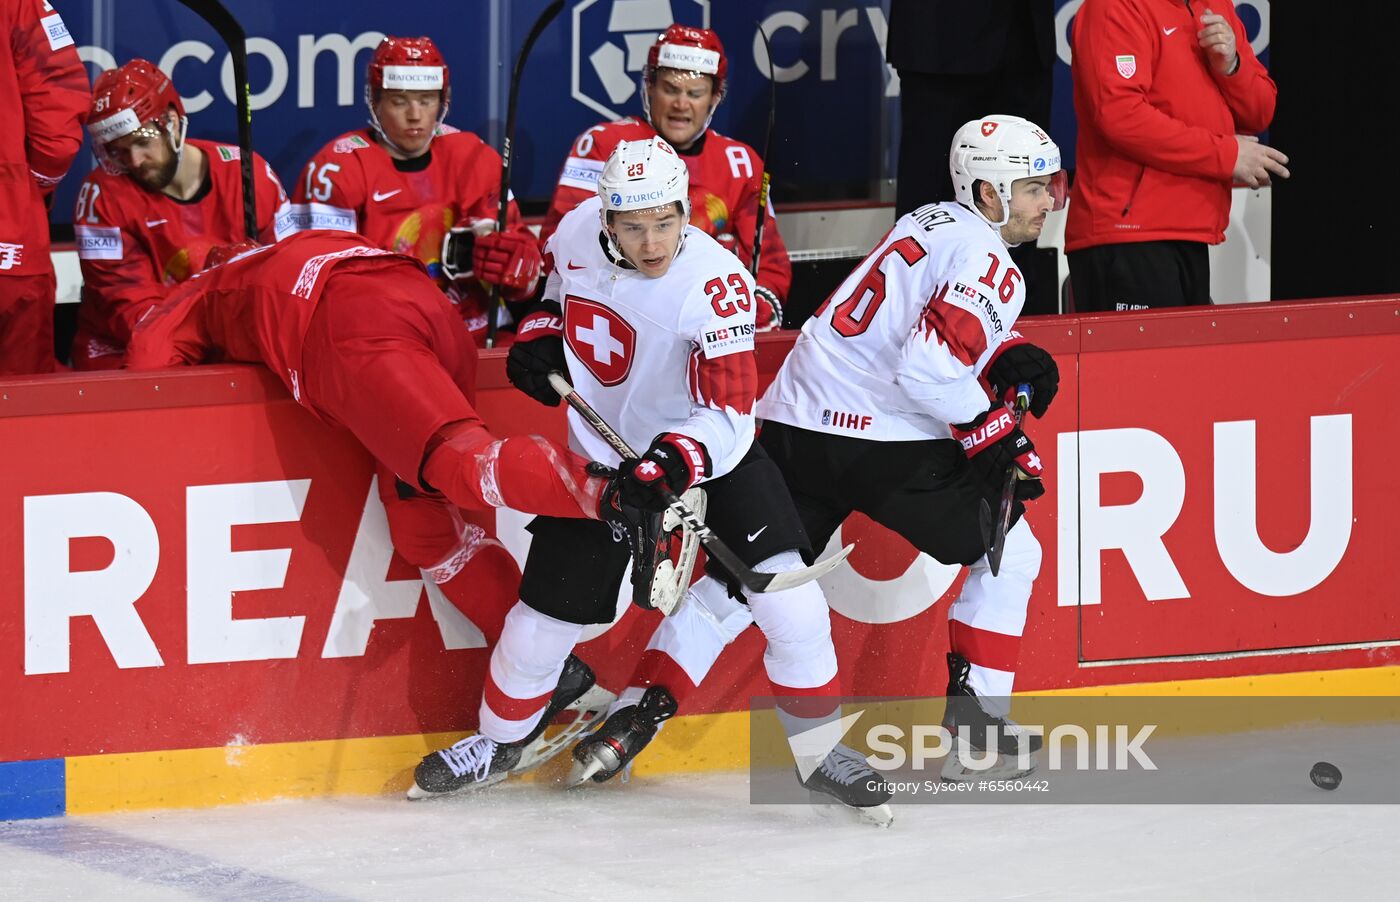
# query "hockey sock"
(685, 645)
(531, 474)
(986, 621)
(525, 667)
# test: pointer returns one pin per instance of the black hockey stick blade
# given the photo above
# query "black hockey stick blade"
(987, 527)
(766, 183)
(493, 309)
(1008, 489)
(752, 580)
(233, 36)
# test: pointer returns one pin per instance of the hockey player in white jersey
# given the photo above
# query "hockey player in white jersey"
(892, 403)
(652, 321)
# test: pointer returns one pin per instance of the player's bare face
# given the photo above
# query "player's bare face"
(149, 159)
(1031, 200)
(649, 238)
(408, 119)
(680, 104)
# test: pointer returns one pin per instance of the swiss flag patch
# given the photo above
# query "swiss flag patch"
(988, 127)
(602, 340)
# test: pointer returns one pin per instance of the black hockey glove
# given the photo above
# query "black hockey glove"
(993, 443)
(1017, 361)
(538, 351)
(674, 461)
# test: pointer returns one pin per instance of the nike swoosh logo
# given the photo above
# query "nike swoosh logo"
(573, 265)
(755, 535)
(152, 223)
(385, 195)
(1168, 31)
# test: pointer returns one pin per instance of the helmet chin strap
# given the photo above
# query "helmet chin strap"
(646, 110)
(1005, 217)
(389, 142)
(614, 252)
(178, 144)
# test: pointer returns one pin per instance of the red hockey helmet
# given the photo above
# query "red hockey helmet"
(689, 49)
(406, 64)
(129, 99)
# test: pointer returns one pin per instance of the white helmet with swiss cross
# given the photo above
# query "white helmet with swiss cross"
(999, 150)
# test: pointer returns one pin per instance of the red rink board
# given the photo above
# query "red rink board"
(111, 474)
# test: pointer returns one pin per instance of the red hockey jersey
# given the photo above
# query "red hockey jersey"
(407, 206)
(44, 97)
(135, 244)
(250, 313)
(725, 178)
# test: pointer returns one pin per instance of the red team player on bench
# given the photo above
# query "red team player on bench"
(415, 185)
(682, 86)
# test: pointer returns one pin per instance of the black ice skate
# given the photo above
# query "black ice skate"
(980, 736)
(845, 776)
(477, 762)
(610, 748)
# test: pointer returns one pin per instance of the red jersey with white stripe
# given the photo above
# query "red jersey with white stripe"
(252, 313)
(725, 179)
(407, 206)
(44, 100)
(897, 352)
(654, 355)
(135, 245)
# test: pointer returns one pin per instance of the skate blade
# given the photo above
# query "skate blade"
(876, 815)
(583, 773)
(417, 793)
(590, 708)
(1005, 768)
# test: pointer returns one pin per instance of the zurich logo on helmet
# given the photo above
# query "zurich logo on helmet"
(1039, 164)
(616, 199)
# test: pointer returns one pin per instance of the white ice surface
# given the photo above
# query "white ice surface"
(697, 837)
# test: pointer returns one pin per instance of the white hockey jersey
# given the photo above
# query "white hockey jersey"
(655, 355)
(897, 352)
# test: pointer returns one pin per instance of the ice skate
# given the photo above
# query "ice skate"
(477, 762)
(980, 736)
(611, 747)
(846, 777)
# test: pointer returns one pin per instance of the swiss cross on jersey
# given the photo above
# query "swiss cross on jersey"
(602, 340)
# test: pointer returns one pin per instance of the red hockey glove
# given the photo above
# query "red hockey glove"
(509, 259)
(993, 443)
(768, 315)
(673, 461)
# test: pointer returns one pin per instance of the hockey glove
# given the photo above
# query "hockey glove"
(538, 350)
(673, 461)
(509, 259)
(993, 443)
(1017, 361)
(768, 315)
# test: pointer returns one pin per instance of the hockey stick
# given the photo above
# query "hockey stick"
(508, 149)
(752, 580)
(997, 543)
(767, 180)
(232, 34)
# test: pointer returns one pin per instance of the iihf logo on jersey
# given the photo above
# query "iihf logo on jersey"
(610, 40)
(843, 420)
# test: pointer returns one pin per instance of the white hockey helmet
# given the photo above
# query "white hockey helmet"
(999, 150)
(643, 175)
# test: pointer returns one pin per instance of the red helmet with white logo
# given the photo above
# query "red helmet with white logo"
(128, 100)
(406, 64)
(697, 51)
(689, 49)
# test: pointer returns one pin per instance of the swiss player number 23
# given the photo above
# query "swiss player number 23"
(720, 297)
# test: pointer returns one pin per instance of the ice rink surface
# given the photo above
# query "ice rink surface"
(698, 837)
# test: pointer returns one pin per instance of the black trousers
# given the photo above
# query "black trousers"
(1139, 275)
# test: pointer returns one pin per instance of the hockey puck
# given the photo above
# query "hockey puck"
(1325, 776)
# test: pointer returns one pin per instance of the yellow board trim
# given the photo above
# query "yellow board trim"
(383, 765)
